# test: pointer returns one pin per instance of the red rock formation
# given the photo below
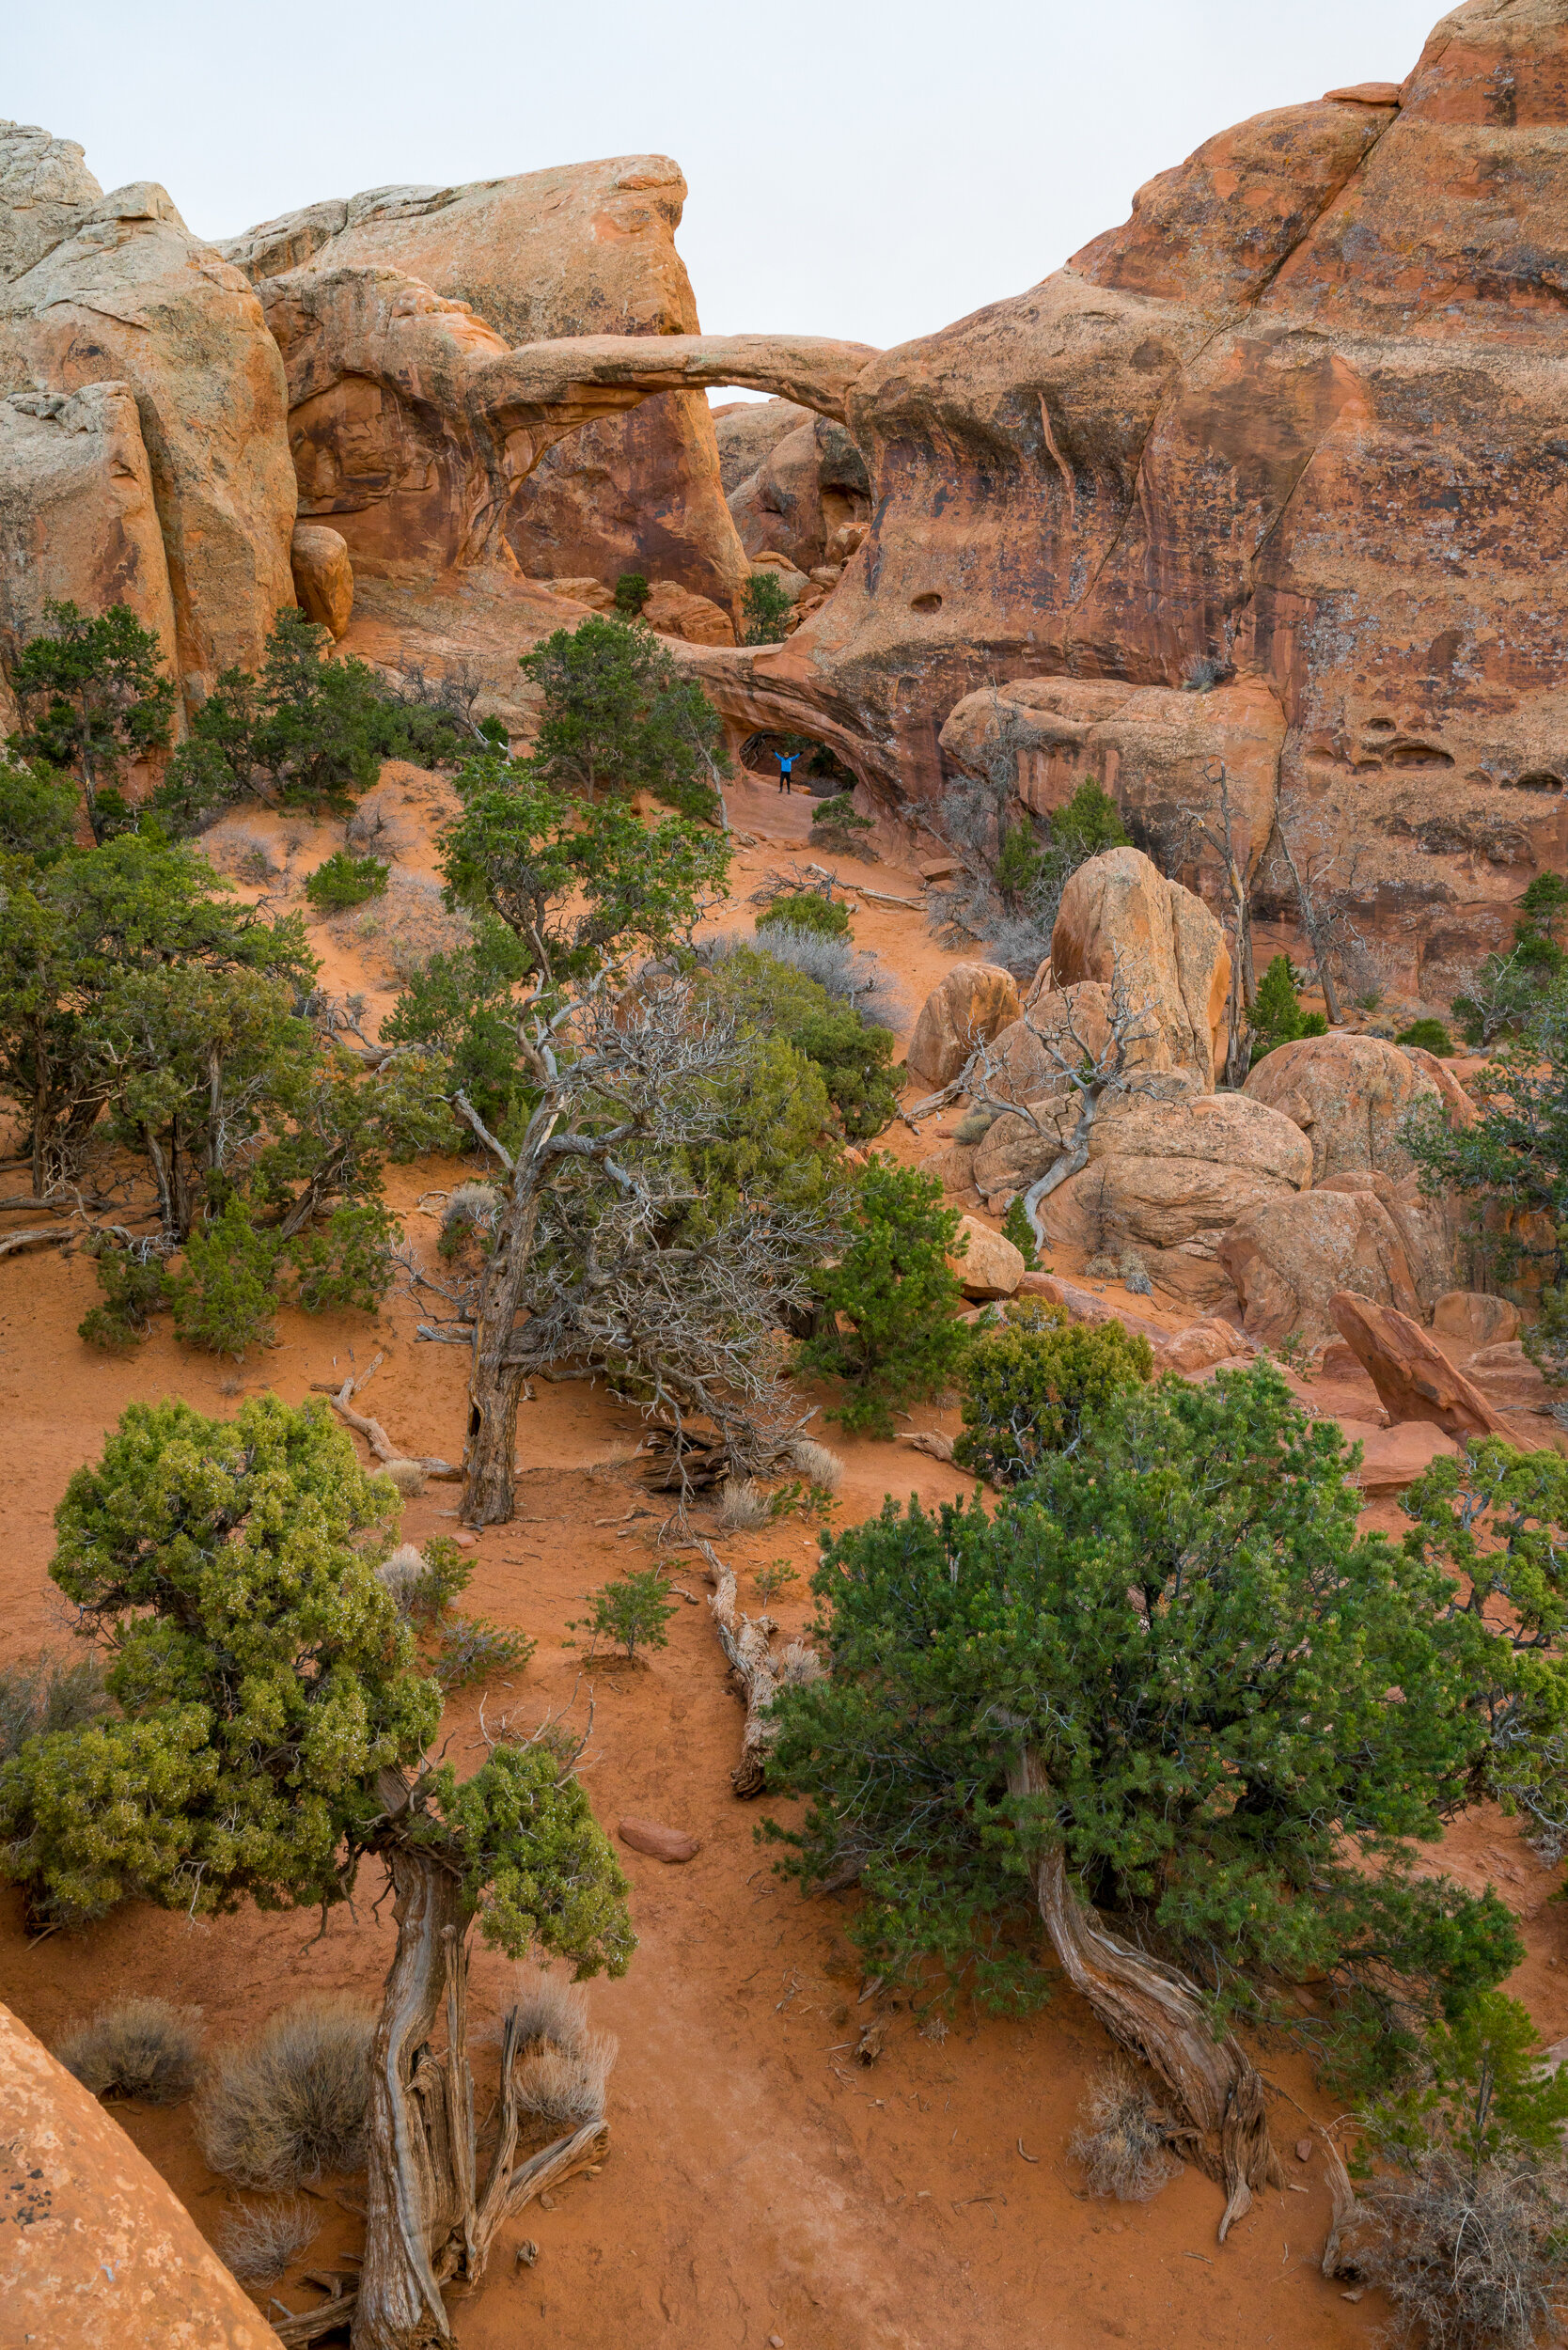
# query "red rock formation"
(100, 2255)
(581, 250)
(1414, 1378)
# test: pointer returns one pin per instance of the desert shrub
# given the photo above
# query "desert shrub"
(260, 2242)
(806, 910)
(471, 1647)
(853, 976)
(630, 1610)
(45, 1693)
(837, 827)
(142, 2048)
(765, 610)
(225, 1294)
(1510, 990)
(548, 2008)
(632, 592)
(407, 927)
(1470, 2207)
(93, 693)
(1015, 873)
(459, 1001)
(1431, 1035)
(1469, 2260)
(425, 1583)
(38, 810)
(564, 2089)
(1179, 1621)
(852, 1055)
(470, 1215)
(888, 1334)
(291, 2102)
(974, 1125)
(1277, 1017)
(1027, 1392)
(1511, 1166)
(1122, 2139)
(620, 715)
(1018, 1229)
(780, 1574)
(136, 1284)
(744, 1506)
(821, 1466)
(345, 880)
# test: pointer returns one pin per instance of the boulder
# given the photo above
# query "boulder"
(1121, 919)
(79, 514)
(1072, 1021)
(674, 611)
(131, 298)
(1199, 1347)
(46, 192)
(102, 2256)
(1430, 1230)
(953, 1166)
(1393, 1458)
(990, 1266)
(593, 592)
(1473, 1319)
(811, 485)
(324, 575)
(1017, 1150)
(1289, 1258)
(584, 248)
(748, 432)
(970, 1005)
(658, 1841)
(1348, 1094)
(1414, 1379)
(1505, 1375)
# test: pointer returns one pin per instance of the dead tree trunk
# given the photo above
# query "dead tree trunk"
(1156, 2010)
(1314, 931)
(745, 1641)
(495, 1381)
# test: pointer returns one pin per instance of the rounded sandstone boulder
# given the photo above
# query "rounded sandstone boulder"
(324, 575)
(1292, 1257)
(1123, 923)
(991, 1266)
(1348, 1094)
(972, 1004)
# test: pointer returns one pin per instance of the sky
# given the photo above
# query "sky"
(856, 168)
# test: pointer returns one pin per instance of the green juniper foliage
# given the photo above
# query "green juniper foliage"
(136, 1284)
(265, 1684)
(1020, 1231)
(632, 592)
(1029, 1387)
(93, 695)
(1510, 987)
(853, 1059)
(894, 1288)
(1429, 1035)
(1512, 1164)
(461, 1006)
(765, 609)
(343, 881)
(620, 715)
(1277, 1017)
(631, 1609)
(38, 810)
(837, 827)
(1480, 2093)
(1182, 1622)
(808, 910)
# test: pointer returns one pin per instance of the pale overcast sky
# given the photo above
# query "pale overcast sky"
(856, 168)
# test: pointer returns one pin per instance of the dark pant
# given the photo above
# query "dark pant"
(784, 783)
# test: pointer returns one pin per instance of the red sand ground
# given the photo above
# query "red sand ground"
(760, 2184)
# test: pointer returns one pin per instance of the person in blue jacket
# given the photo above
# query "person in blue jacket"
(785, 765)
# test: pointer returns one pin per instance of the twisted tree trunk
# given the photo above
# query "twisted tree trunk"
(1157, 2013)
(496, 1382)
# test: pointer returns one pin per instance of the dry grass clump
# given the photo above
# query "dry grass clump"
(405, 927)
(1121, 2146)
(137, 2048)
(565, 2089)
(261, 2241)
(817, 1463)
(402, 1576)
(44, 1693)
(291, 2102)
(744, 1506)
(1469, 2258)
(407, 1476)
(550, 2010)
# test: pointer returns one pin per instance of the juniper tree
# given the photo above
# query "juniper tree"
(93, 695)
(620, 715)
(1167, 1701)
(271, 1739)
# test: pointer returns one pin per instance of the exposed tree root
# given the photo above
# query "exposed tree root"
(1157, 2012)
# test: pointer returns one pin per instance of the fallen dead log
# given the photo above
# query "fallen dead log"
(1347, 2214)
(745, 1641)
(1157, 2013)
(380, 1442)
(45, 1236)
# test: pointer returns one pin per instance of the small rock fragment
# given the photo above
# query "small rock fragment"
(1304, 2150)
(527, 2252)
(658, 1841)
